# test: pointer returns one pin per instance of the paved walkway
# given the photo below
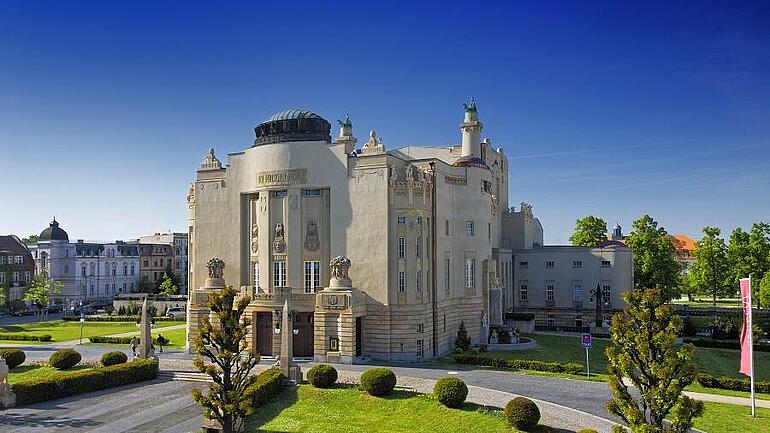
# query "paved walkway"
(741, 401)
(71, 343)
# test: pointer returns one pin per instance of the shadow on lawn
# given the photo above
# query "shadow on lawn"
(287, 397)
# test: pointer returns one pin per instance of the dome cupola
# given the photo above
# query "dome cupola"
(53, 233)
(293, 125)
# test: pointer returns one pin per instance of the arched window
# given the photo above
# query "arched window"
(125, 268)
(83, 270)
(132, 269)
(93, 271)
(114, 268)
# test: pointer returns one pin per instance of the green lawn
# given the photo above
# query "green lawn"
(729, 418)
(566, 348)
(27, 372)
(308, 409)
(705, 302)
(62, 330)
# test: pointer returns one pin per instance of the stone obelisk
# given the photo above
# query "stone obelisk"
(145, 337)
(289, 368)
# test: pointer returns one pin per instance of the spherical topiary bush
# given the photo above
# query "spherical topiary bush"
(378, 381)
(587, 430)
(64, 359)
(450, 391)
(322, 376)
(522, 413)
(13, 357)
(113, 358)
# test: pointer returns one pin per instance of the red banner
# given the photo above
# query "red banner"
(746, 349)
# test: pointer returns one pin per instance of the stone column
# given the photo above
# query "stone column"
(145, 336)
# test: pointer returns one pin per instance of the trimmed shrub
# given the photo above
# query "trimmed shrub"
(13, 357)
(322, 376)
(450, 391)
(25, 337)
(522, 413)
(119, 319)
(78, 382)
(114, 358)
(378, 381)
(587, 430)
(116, 340)
(731, 383)
(519, 364)
(267, 386)
(64, 359)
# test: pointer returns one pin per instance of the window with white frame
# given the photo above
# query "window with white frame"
(469, 228)
(550, 320)
(549, 286)
(255, 283)
(523, 265)
(83, 270)
(549, 264)
(401, 247)
(577, 264)
(606, 263)
(523, 291)
(470, 272)
(417, 245)
(606, 292)
(132, 269)
(401, 281)
(312, 276)
(419, 349)
(402, 220)
(418, 281)
(279, 274)
(577, 290)
(578, 322)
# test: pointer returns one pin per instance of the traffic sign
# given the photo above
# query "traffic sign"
(586, 341)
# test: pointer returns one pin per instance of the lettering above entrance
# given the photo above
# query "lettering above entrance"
(297, 176)
(335, 301)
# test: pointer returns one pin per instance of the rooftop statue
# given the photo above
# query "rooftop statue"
(470, 107)
(346, 122)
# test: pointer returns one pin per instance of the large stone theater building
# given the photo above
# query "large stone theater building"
(421, 239)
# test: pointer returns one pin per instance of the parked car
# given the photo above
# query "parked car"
(27, 311)
(176, 312)
(54, 308)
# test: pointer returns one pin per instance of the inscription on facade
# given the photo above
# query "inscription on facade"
(334, 301)
(455, 180)
(282, 177)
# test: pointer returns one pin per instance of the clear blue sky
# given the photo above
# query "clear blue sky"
(611, 109)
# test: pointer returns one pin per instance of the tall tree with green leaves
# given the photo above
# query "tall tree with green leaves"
(30, 240)
(644, 352)
(590, 231)
(764, 289)
(167, 286)
(655, 264)
(41, 289)
(739, 255)
(711, 271)
(759, 249)
(228, 361)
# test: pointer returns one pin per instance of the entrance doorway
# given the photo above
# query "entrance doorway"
(359, 334)
(264, 333)
(303, 340)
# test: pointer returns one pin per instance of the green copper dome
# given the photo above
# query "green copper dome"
(292, 125)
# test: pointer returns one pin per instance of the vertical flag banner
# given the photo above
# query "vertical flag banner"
(746, 348)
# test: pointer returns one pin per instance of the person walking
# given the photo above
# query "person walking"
(161, 342)
(134, 343)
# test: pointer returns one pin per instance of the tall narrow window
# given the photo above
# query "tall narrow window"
(279, 274)
(606, 293)
(255, 283)
(401, 282)
(578, 291)
(549, 291)
(402, 220)
(447, 273)
(523, 291)
(419, 349)
(132, 269)
(446, 227)
(312, 276)
(470, 272)
(468, 228)
(417, 245)
(401, 247)
(418, 282)
(125, 268)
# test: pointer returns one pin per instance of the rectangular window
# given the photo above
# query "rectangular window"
(401, 247)
(523, 264)
(549, 291)
(446, 227)
(27, 277)
(419, 328)
(577, 264)
(468, 228)
(401, 282)
(447, 273)
(606, 293)
(280, 194)
(418, 282)
(523, 292)
(578, 292)
(419, 220)
(417, 248)
(255, 283)
(606, 263)
(578, 322)
(470, 272)
(549, 264)
(551, 320)
(279, 274)
(402, 220)
(312, 192)
(419, 349)
(15, 276)
(312, 276)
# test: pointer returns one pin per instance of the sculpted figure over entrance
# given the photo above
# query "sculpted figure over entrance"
(339, 267)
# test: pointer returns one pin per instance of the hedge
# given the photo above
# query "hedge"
(25, 337)
(78, 382)
(121, 319)
(732, 383)
(520, 364)
(266, 387)
(13, 357)
(116, 340)
(722, 344)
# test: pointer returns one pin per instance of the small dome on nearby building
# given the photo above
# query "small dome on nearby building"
(53, 233)
(293, 125)
(470, 161)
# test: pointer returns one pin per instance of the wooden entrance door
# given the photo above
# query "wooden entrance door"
(303, 340)
(359, 334)
(264, 333)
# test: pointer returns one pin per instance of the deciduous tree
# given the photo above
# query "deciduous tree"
(167, 286)
(764, 289)
(655, 264)
(644, 352)
(590, 231)
(710, 272)
(40, 290)
(228, 361)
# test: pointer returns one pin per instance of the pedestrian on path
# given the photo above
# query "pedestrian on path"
(161, 342)
(134, 343)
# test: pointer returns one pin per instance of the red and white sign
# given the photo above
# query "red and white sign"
(746, 337)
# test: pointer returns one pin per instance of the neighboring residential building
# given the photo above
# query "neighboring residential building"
(179, 244)
(685, 250)
(428, 232)
(154, 261)
(106, 269)
(17, 267)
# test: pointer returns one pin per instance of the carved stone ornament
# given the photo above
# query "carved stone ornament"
(191, 195)
(279, 245)
(339, 267)
(393, 177)
(210, 161)
(311, 238)
(409, 172)
(216, 268)
(254, 238)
